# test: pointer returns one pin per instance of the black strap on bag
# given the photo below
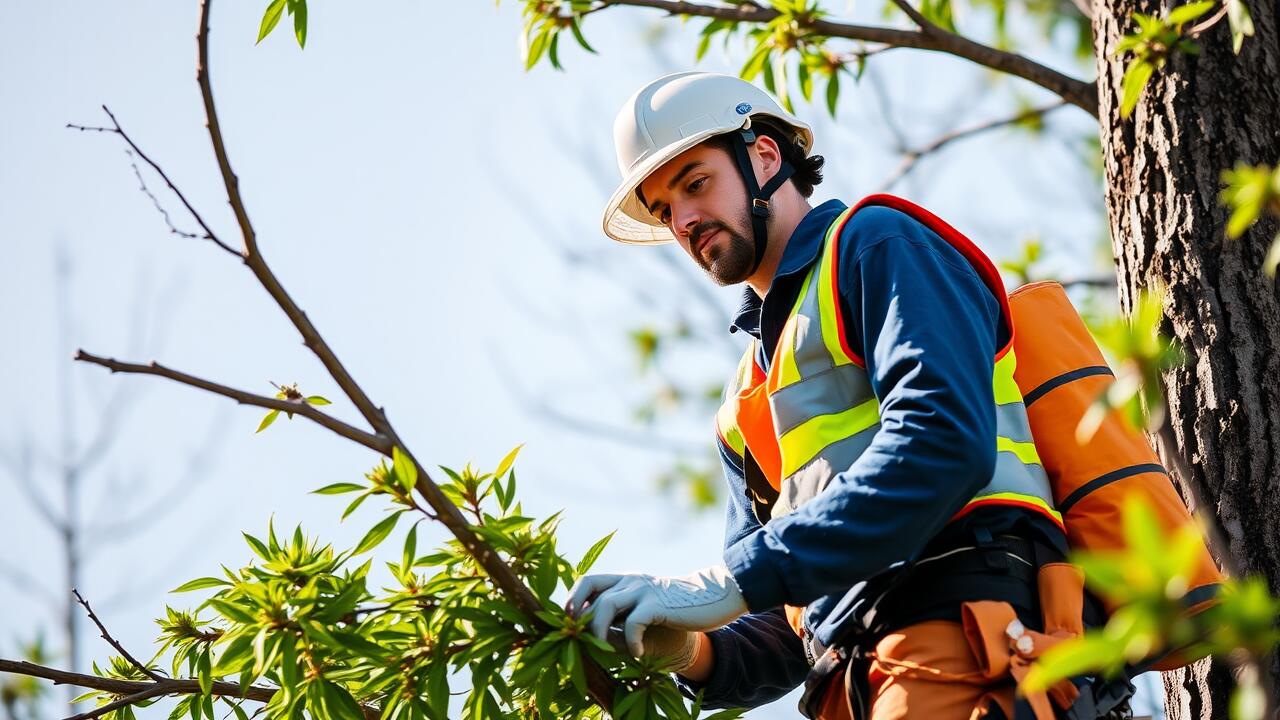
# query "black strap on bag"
(759, 492)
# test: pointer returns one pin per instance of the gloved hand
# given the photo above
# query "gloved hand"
(704, 600)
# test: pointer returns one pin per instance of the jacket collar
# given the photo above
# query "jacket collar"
(802, 250)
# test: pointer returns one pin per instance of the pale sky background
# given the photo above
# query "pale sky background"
(434, 209)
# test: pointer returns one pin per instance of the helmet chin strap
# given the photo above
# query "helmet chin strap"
(757, 196)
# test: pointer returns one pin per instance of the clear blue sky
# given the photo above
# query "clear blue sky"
(410, 184)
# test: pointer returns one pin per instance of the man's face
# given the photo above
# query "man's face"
(699, 195)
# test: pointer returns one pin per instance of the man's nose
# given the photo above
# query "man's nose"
(686, 219)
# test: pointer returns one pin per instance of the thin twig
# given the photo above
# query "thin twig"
(1196, 30)
(376, 442)
(112, 641)
(1080, 93)
(209, 233)
(142, 185)
(912, 157)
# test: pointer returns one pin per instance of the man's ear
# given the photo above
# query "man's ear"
(768, 157)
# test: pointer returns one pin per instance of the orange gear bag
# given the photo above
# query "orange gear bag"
(1060, 372)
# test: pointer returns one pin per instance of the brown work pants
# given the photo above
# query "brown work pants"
(945, 670)
(926, 671)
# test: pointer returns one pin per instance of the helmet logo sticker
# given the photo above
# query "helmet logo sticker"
(743, 108)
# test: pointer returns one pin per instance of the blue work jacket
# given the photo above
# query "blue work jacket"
(928, 328)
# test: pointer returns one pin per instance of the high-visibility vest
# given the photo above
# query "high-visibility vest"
(814, 413)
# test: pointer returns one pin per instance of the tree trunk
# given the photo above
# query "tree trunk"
(1198, 116)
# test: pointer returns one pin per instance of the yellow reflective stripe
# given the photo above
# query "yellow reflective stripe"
(803, 443)
(827, 296)
(1026, 451)
(1015, 498)
(788, 371)
(727, 427)
(1006, 390)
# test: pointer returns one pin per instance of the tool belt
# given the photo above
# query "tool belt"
(1014, 597)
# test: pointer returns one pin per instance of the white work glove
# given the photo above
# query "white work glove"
(704, 600)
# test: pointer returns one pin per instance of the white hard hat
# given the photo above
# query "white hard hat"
(667, 117)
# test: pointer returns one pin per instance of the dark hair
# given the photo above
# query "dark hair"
(808, 169)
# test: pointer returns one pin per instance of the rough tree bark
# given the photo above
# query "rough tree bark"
(1201, 115)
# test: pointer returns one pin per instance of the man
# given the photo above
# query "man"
(870, 428)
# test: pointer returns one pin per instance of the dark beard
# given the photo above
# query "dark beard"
(730, 264)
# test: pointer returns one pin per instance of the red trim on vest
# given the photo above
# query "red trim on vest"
(835, 293)
(978, 259)
(1007, 502)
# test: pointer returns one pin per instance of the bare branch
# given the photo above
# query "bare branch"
(914, 156)
(1100, 283)
(209, 234)
(112, 641)
(377, 442)
(167, 686)
(1083, 95)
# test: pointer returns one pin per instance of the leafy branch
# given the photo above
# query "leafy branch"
(802, 28)
(1252, 191)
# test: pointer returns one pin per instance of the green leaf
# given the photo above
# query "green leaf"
(266, 421)
(204, 672)
(257, 546)
(354, 504)
(1241, 23)
(338, 489)
(410, 549)
(535, 49)
(756, 62)
(338, 702)
(269, 20)
(298, 8)
(1272, 260)
(438, 690)
(316, 399)
(593, 553)
(406, 471)
(507, 461)
(1135, 80)
(577, 35)
(377, 534)
(833, 92)
(1186, 13)
(199, 584)
(234, 656)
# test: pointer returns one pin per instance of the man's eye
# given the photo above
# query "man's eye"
(665, 215)
(697, 184)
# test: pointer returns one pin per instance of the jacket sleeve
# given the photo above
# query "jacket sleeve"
(926, 327)
(758, 657)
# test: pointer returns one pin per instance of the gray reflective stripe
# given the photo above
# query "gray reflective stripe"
(1014, 476)
(1011, 422)
(801, 486)
(831, 391)
(812, 356)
